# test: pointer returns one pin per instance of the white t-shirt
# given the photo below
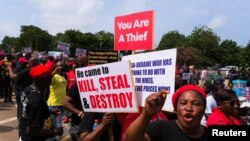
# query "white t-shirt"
(211, 104)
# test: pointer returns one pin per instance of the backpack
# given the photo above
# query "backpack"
(25, 99)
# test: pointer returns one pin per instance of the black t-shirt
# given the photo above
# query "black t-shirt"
(23, 79)
(74, 94)
(1, 75)
(169, 131)
(87, 123)
(35, 114)
(5, 73)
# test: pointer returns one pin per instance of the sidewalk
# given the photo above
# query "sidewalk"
(8, 122)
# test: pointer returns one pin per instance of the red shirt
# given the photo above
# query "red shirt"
(219, 118)
(71, 78)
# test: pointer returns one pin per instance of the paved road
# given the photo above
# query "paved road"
(8, 123)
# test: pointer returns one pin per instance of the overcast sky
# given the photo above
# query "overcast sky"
(229, 19)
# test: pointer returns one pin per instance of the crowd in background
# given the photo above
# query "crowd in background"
(198, 103)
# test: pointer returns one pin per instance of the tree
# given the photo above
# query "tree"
(36, 38)
(11, 42)
(54, 41)
(205, 40)
(106, 40)
(91, 41)
(229, 53)
(188, 56)
(75, 38)
(245, 57)
(172, 39)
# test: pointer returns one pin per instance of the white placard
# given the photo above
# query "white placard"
(186, 76)
(152, 72)
(27, 50)
(107, 88)
(55, 54)
(80, 52)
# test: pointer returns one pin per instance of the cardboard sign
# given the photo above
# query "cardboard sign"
(134, 31)
(107, 88)
(55, 54)
(152, 72)
(64, 47)
(102, 56)
(80, 52)
(186, 76)
(27, 50)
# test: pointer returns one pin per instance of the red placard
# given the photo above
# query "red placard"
(134, 31)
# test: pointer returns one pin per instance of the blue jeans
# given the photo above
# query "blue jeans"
(54, 118)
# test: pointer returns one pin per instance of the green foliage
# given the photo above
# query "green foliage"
(205, 40)
(172, 39)
(89, 41)
(245, 57)
(229, 53)
(35, 38)
(10, 42)
(188, 56)
(41, 40)
(105, 39)
(201, 48)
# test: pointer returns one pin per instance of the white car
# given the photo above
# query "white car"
(228, 68)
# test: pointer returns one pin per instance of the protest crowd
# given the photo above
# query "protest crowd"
(47, 95)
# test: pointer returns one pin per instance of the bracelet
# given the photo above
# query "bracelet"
(80, 114)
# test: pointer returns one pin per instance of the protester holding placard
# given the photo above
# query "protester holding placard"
(106, 88)
(186, 76)
(189, 102)
(73, 104)
(106, 123)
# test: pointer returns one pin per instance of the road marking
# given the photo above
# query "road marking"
(7, 120)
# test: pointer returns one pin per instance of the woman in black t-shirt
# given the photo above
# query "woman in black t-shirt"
(189, 101)
(100, 132)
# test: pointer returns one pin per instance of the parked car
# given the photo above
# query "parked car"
(228, 68)
(216, 67)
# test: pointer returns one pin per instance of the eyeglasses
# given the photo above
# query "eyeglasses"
(232, 102)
